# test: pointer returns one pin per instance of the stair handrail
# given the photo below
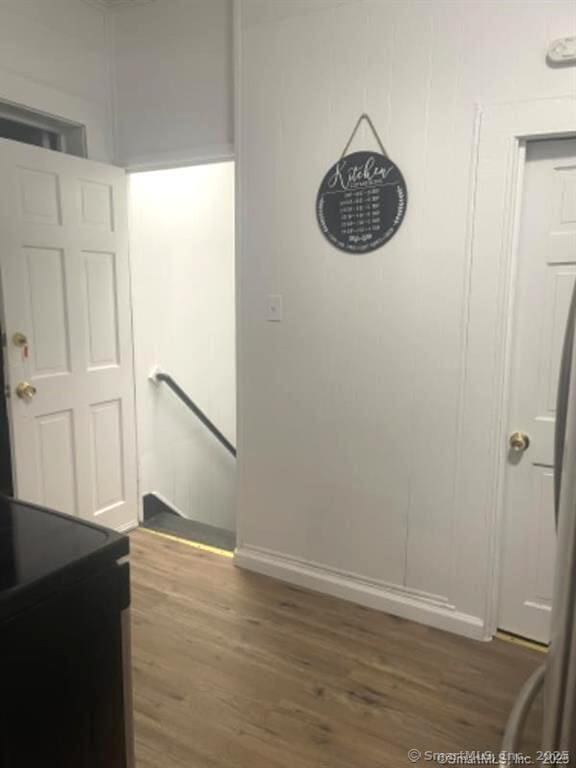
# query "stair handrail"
(157, 376)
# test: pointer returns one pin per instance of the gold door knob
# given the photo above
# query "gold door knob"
(25, 390)
(519, 441)
(19, 339)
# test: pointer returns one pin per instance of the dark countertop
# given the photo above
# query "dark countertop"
(42, 551)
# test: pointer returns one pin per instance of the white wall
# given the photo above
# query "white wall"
(182, 253)
(351, 418)
(173, 62)
(54, 57)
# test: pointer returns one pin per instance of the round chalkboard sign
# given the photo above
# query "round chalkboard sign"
(361, 202)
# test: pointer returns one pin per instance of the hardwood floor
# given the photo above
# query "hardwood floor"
(235, 670)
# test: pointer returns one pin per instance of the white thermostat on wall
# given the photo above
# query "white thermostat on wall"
(563, 51)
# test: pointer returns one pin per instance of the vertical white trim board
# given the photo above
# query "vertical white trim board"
(238, 134)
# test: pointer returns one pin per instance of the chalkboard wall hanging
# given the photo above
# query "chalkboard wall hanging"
(362, 200)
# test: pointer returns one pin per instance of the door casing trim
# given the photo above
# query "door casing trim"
(504, 132)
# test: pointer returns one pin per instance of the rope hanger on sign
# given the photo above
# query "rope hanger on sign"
(366, 117)
(362, 198)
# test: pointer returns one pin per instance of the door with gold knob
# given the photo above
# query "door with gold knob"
(545, 276)
(66, 317)
(519, 442)
(25, 390)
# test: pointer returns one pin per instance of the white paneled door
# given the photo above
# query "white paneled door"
(67, 323)
(546, 273)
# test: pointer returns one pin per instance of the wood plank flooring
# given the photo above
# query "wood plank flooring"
(235, 670)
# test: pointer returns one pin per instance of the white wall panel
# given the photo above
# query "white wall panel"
(173, 65)
(182, 249)
(55, 58)
(349, 408)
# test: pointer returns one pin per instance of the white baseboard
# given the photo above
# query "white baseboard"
(396, 600)
(127, 527)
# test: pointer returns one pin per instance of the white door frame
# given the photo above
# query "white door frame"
(504, 131)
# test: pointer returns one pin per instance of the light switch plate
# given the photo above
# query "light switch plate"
(275, 309)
